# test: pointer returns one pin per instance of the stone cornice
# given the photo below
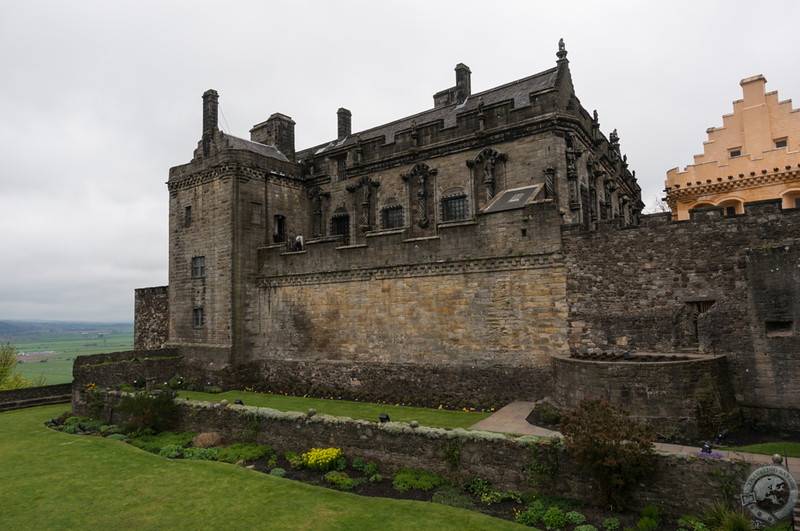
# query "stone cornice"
(454, 267)
(208, 175)
(736, 183)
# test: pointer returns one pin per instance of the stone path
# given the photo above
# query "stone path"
(511, 419)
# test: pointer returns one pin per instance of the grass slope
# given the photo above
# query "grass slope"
(439, 418)
(53, 480)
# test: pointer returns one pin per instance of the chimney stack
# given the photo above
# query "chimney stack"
(344, 123)
(210, 117)
(463, 84)
(277, 131)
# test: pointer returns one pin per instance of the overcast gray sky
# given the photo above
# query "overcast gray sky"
(100, 98)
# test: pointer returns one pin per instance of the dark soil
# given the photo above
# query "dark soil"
(384, 489)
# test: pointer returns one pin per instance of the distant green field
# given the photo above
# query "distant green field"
(66, 346)
(53, 371)
(71, 344)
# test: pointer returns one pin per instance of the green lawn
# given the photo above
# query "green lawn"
(438, 418)
(788, 449)
(52, 480)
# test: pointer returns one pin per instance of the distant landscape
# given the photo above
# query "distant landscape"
(48, 348)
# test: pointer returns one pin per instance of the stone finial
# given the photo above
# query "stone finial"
(562, 51)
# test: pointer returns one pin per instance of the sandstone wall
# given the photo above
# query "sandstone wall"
(481, 293)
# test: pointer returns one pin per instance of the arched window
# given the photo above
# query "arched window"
(392, 214)
(791, 199)
(731, 207)
(454, 205)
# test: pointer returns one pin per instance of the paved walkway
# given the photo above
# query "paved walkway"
(511, 419)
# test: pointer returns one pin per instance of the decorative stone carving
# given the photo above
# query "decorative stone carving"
(486, 161)
(316, 195)
(366, 184)
(419, 175)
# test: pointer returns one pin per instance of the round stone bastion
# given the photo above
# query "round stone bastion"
(680, 394)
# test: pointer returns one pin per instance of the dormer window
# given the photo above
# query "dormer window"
(737, 152)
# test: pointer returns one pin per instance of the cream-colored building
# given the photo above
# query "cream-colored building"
(754, 156)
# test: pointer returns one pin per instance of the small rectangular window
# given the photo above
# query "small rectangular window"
(187, 216)
(198, 317)
(393, 218)
(781, 143)
(341, 168)
(736, 153)
(454, 208)
(730, 210)
(198, 267)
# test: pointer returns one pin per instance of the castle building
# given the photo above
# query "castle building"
(752, 157)
(488, 249)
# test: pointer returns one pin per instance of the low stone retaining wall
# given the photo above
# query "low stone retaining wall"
(680, 484)
(116, 368)
(35, 396)
(690, 396)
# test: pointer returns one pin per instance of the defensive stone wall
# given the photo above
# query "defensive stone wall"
(667, 286)
(679, 484)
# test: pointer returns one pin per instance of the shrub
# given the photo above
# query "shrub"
(714, 514)
(651, 511)
(294, 460)
(208, 439)
(368, 468)
(454, 497)
(585, 527)
(154, 443)
(244, 452)
(70, 428)
(611, 524)
(212, 389)
(412, 478)
(375, 478)
(478, 486)
(736, 521)
(691, 523)
(647, 524)
(575, 518)
(201, 454)
(324, 460)
(549, 415)
(156, 412)
(340, 480)
(615, 449)
(531, 515)
(554, 518)
(171, 451)
(277, 472)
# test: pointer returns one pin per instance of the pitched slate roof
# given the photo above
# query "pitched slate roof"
(519, 91)
(234, 142)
